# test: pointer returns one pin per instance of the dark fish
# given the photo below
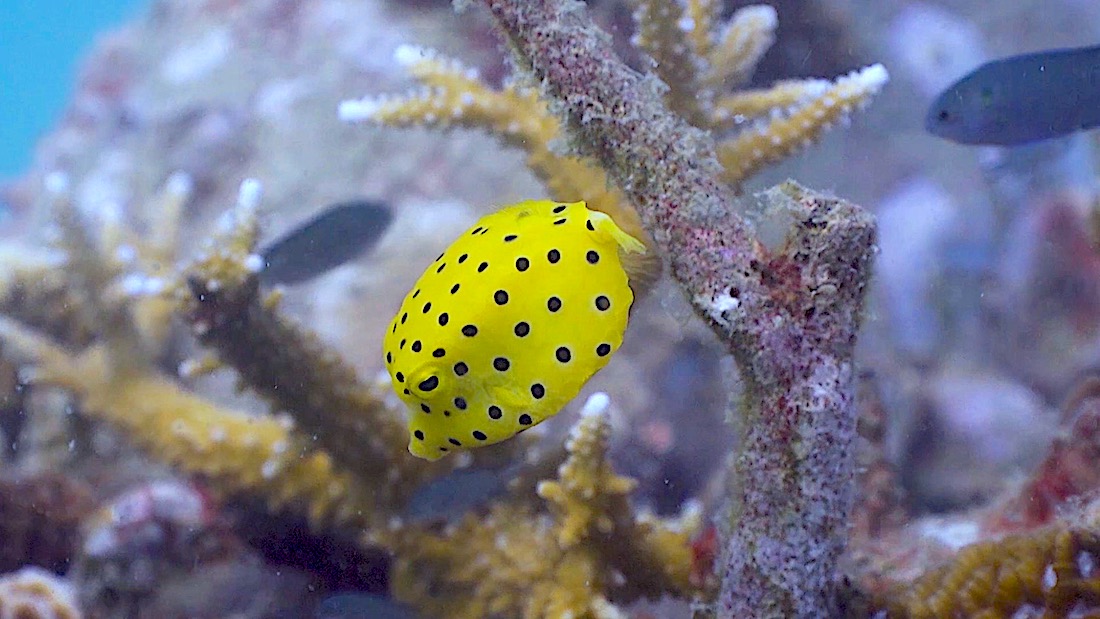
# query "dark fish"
(339, 234)
(1021, 99)
(362, 606)
(452, 496)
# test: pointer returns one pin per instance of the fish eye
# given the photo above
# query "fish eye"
(944, 115)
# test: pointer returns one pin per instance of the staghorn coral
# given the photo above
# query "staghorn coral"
(115, 382)
(756, 298)
(269, 457)
(291, 368)
(788, 314)
(33, 593)
(589, 550)
(698, 59)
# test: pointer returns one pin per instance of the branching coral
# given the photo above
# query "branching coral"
(789, 315)
(115, 381)
(698, 59)
(292, 369)
(521, 562)
(325, 461)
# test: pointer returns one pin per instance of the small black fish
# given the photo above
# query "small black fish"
(1021, 99)
(340, 233)
(453, 495)
(362, 606)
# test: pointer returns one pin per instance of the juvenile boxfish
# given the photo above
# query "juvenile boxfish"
(508, 324)
(337, 235)
(1021, 99)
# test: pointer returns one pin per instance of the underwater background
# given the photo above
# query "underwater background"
(261, 303)
(42, 45)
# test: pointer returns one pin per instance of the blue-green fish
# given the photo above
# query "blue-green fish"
(362, 606)
(340, 233)
(1021, 99)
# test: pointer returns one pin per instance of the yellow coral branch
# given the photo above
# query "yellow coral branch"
(663, 33)
(745, 105)
(291, 368)
(237, 453)
(454, 97)
(96, 277)
(516, 562)
(743, 42)
(701, 15)
(743, 155)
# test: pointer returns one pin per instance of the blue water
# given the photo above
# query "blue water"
(41, 45)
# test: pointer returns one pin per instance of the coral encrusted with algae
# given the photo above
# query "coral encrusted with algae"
(586, 553)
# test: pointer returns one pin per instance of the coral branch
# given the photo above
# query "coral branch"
(783, 136)
(236, 453)
(743, 43)
(590, 549)
(789, 317)
(292, 369)
(663, 35)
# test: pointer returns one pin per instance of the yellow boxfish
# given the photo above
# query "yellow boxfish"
(508, 324)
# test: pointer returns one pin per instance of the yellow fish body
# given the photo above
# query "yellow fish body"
(508, 324)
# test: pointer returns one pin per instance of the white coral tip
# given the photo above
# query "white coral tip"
(406, 54)
(180, 184)
(248, 196)
(765, 14)
(358, 110)
(596, 404)
(872, 78)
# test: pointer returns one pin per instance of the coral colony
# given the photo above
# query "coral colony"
(805, 530)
